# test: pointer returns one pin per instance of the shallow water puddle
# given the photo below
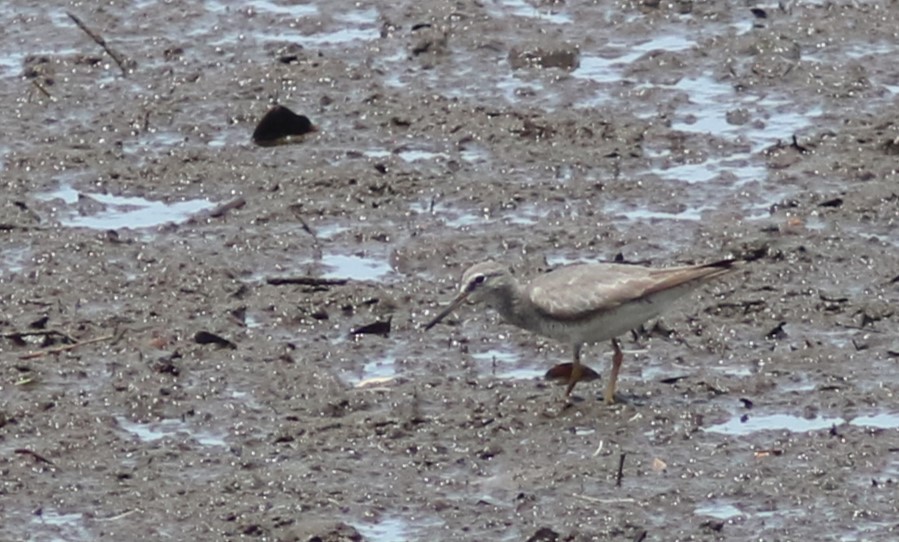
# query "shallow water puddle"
(289, 9)
(62, 526)
(718, 510)
(343, 266)
(610, 68)
(376, 371)
(523, 215)
(748, 424)
(409, 155)
(392, 528)
(638, 214)
(150, 432)
(114, 212)
(766, 119)
(724, 511)
(361, 25)
(348, 28)
(12, 259)
(506, 364)
(521, 8)
(877, 421)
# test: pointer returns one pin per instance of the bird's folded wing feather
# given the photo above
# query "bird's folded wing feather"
(581, 291)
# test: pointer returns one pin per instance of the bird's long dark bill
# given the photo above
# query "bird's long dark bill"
(450, 308)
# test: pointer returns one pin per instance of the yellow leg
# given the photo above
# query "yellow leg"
(613, 375)
(576, 370)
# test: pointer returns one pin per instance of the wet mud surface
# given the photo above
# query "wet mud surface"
(177, 303)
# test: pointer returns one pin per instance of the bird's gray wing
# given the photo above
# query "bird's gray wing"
(581, 291)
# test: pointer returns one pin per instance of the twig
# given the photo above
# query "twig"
(117, 517)
(65, 347)
(98, 39)
(41, 88)
(38, 457)
(305, 281)
(222, 209)
(620, 469)
(603, 501)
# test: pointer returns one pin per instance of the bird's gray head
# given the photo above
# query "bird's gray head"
(482, 282)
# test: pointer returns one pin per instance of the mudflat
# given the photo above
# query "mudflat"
(204, 339)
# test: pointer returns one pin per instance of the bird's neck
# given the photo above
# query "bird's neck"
(511, 303)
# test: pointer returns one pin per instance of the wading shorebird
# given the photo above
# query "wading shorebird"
(582, 303)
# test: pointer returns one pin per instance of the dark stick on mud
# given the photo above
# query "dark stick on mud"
(98, 39)
(41, 88)
(305, 281)
(223, 209)
(38, 457)
(620, 469)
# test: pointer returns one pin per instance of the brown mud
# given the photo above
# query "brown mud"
(219, 401)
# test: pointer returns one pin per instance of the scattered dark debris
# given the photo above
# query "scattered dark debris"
(620, 474)
(489, 452)
(380, 327)
(747, 403)
(222, 209)
(777, 333)
(532, 130)
(429, 39)
(305, 281)
(832, 303)
(673, 379)
(832, 202)
(205, 337)
(173, 53)
(712, 388)
(281, 126)
(544, 534)
(124, 63)
(562, 372)
(759, 13)
(37, 457)
(640, 535)
(873, 312)
(890, 147)
(320, 314)
(40, 323)
(768, 452)
(796, 146)
(566, 58)
(166, 365)
(713, 525)
(745, 307)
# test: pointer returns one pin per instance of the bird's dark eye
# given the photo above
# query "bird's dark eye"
(476, 281)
